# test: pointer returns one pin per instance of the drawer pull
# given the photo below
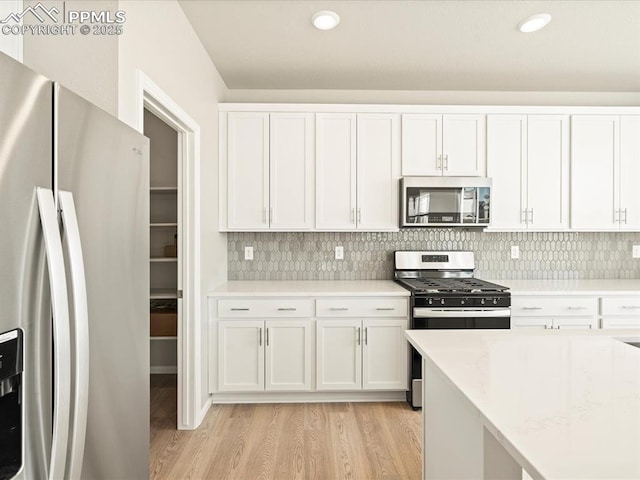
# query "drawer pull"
(338, 309)
(385, 309)
(532, 308)
(577, 308)
(239, 309)
(631, 307)
(287, 309)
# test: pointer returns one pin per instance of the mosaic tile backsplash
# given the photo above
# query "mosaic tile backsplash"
(369, 256)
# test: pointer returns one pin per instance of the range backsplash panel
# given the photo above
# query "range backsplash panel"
(369, 256)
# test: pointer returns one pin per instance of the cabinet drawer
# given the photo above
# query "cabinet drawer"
(627, 306)
(361, 307)
(272, 308)
(554, 306)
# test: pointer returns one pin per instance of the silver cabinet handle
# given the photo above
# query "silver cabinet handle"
(524, 217)
(531, 220)
(577, 308)
(439, 162)
(270, 214)
(384, 309)
(287, 309)
(338, 309)
(446, 163)
(267, 336)
(353, 215)
(264, 215)
(358, 336)
(631, 307)
(239, 309)
(625, 216)
(366, 335)
(532, 308)
(260, 336)
(359, 215)
(616, 216)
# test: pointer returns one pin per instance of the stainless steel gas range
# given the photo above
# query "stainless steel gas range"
(446, 295)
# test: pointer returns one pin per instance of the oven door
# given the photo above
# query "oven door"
(456, 318)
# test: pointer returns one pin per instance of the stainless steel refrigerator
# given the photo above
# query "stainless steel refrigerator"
(74, 286)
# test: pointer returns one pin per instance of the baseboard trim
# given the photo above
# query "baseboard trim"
(308, 397)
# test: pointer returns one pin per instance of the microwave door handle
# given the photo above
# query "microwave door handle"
(81, 339)
(61, 332)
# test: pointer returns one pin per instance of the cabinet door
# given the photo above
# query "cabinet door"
(581, 323)
(594, 160)
(630, 172)
(288, 355)
(335, 171)
(548, 172)
(384, 355)
(463, 145)
(240, 356)
(291, 166)
(339, 354)
(531, 323)
(506, 158)
(378, 172)
(421, 144)
(248, 170)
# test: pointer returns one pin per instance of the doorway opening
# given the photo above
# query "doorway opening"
(164, 261)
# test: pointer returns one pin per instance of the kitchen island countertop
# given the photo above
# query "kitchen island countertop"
(561, 404)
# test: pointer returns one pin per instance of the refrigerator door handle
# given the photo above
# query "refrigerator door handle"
(78, 286)
(61, 332)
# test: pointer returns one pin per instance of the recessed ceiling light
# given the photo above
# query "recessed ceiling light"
(534, 23)
(325, 20)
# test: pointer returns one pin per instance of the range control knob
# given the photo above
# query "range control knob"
(482, 301)
(495, 301)
(462, 302)
(442, 301)
(430, 301)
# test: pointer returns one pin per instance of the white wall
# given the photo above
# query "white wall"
(86, 64)
(159, 41)
(11, 44)
(451, 97)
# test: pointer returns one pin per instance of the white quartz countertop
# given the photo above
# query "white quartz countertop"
(310, 288)
(566, 403)
(572, 287)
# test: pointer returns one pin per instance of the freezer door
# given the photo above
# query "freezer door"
(105, 165)
(25, 163)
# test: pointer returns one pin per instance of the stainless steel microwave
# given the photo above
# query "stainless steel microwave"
(445, 202)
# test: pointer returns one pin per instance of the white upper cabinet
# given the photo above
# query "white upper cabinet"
(291, 171)
(270, 171)
(335, 171)
(248, 171)
(527, 158)
(630, 172)
(378, 171)
(443, 144)
(598, 179)
(357, 171)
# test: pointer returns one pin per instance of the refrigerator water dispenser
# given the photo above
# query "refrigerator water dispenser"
(10, 403)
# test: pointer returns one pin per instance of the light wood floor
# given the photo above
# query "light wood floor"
(322, 441)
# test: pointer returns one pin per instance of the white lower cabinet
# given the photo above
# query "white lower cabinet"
(258, 355)
(369, 354)
(539, 312)
(620, 312)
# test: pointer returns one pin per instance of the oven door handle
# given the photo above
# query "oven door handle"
(466, 313)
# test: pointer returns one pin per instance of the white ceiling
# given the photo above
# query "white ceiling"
(422, 45)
